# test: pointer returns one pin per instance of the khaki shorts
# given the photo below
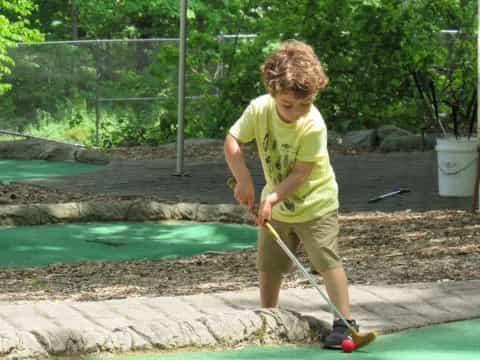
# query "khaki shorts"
(319, 238)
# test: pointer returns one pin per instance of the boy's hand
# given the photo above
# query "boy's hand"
(245, 195)
(265, 210)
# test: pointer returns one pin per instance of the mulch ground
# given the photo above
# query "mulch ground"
(377, 248)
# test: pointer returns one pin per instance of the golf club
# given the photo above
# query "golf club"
(359, 339)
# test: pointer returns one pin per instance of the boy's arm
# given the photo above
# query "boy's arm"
(300, 172)
(245, 190)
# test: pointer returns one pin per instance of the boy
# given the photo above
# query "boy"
(300, 197)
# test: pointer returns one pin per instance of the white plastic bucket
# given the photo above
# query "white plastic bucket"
(457, 166)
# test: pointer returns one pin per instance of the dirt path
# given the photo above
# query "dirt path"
(360, 178)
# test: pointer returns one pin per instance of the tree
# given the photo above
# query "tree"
(370, 49)
(57, 18)
(14, 27)
(448, 66)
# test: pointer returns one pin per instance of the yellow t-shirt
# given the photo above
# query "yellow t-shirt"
(280, 144)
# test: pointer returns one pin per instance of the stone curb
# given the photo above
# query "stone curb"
(119, 210)
(225, 330)
(38, 329)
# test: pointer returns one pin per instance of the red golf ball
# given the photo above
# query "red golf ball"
(348, 345)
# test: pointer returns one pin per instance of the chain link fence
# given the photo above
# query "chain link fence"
(103, 92)
(90, 86)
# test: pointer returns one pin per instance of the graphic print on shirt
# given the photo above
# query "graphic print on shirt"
(279, 160)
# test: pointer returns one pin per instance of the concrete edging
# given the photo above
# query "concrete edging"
(119, 210)
(225, 330)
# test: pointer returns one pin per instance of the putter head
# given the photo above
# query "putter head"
(362, 340)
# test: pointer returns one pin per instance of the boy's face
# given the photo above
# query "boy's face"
(291, 108)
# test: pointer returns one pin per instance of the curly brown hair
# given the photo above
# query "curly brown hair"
(293, 67)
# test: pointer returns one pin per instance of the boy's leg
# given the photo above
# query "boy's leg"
(272, 262)
(270, 283)
(337, 288)
(320, 240)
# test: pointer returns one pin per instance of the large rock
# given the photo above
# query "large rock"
(361, 140)
(91, 157)
(390, 130)
(395, 143)
(35, 149)
(31, 149)
(335, 140)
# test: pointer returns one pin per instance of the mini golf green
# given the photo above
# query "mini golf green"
(457, 340)
(30, 246)
(13, 170)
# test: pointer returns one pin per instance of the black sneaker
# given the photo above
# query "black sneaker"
(340, 331)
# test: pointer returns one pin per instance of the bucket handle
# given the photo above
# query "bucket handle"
(446, 172)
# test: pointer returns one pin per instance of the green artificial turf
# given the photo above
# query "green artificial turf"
(30, 246)
(452, 341)
(14, 170)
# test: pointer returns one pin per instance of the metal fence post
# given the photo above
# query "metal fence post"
(181, 87)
